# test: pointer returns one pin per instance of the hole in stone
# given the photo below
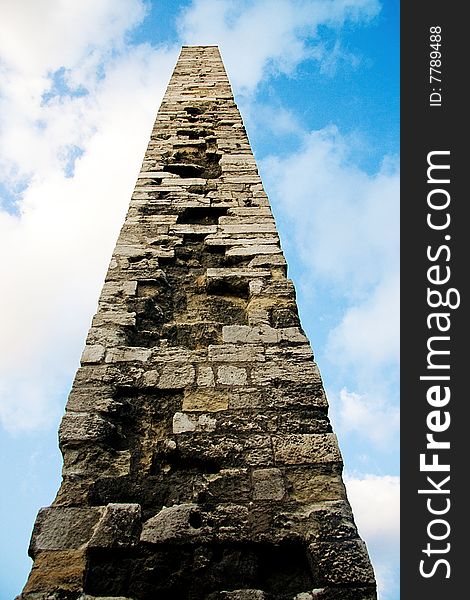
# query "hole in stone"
(195, 520)
(193, 110)
(184, 170)
(195, 160)
(201, 216)
(229, 286)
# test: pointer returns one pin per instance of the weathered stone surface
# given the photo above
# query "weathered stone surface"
(173, 523)
(205, 400)
(342, 562)
(93, 354)
(243, 595)
(81, 428)
(309, 448)
(61, 528)
(268, 484)
(236, 353)
(205, 376)
(228, 375)
(119, 527)
(176, 376)
(199, 460)
(127, 354)
(308, 486)
(56, 571)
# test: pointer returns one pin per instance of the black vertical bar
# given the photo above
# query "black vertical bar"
(435, 252)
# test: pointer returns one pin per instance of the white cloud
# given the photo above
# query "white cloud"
(375, 501)
(38, 38)
(43, 35)
(369, 332)
(345, 222)
(57, 247)
(370, 415)
(270, 35)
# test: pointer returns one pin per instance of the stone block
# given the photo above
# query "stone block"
(228, 485)
(205, 400)
(344, 562)
(60, 570)
(181, 522)
(150, 378)
(244, 334)
(194, 229)
(307, 485)
(242, 240)
(119, 527)
(184, 422)
(176, 376)
(247, 594)
(298, 396)
(250, 211)
(299, 352)
(257, 316)
(91, 399)
(82, 428)
(63, 528)
(252, 250)
(119, 318)
(236, 353)
(130, 354)
(293, 335)
(308, 448)
(227, 451)
(305, 372)
(268, 260)
(268, 484)
(247, 399)
(228, 375)
(222, 273)
(93, 354)
(113, 289)
(205, 377)
(168, 354)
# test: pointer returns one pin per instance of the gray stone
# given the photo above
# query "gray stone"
(308, 448)
(342, 562)
(236, 353)
(176, 376)
(127, 355)
(63, 527)
(268, 484)
(228, 375)
(93, 354)
(205, 377)
(119, 527)
(81, 428)
(173, 523)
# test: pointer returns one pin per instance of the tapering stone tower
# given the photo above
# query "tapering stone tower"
(199, 461)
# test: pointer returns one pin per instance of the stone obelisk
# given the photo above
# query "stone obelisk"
(199, 461)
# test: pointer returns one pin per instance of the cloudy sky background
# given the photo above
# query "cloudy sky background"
(317, 84)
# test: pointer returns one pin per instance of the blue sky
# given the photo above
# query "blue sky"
(317, 82)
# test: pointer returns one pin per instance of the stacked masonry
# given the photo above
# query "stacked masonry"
(199, 461)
